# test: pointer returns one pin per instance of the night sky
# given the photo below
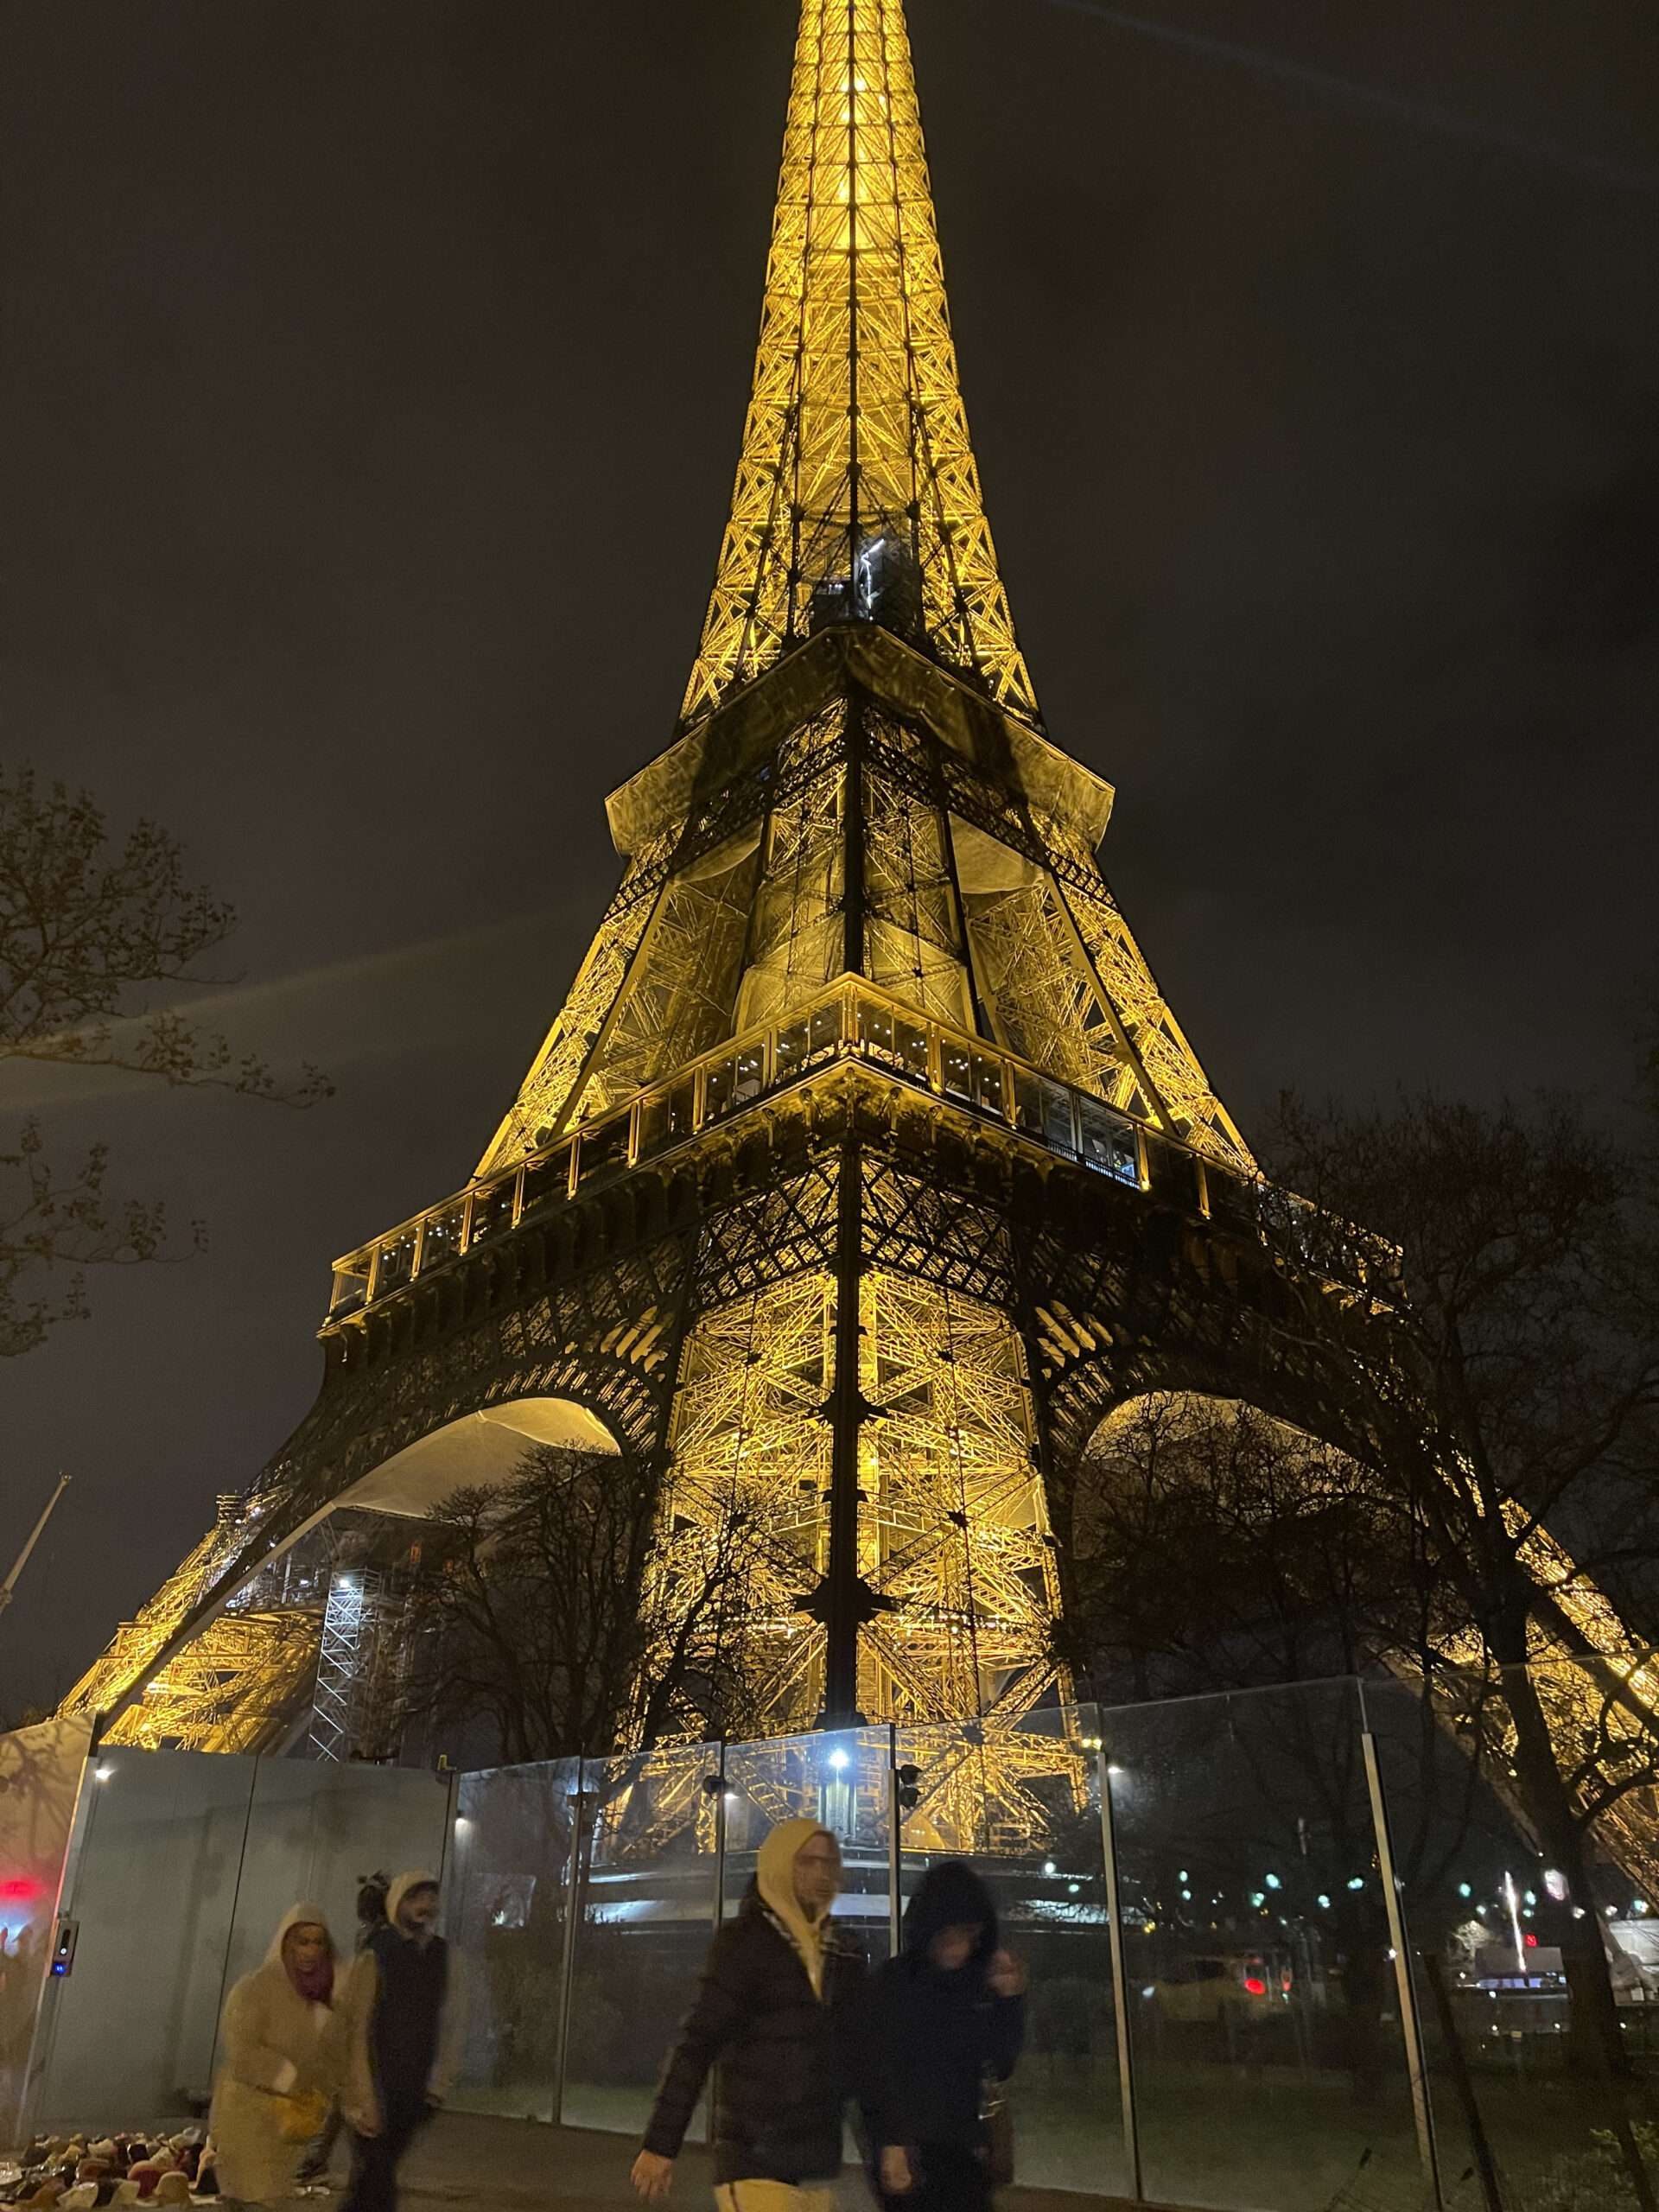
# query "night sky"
(373, 377)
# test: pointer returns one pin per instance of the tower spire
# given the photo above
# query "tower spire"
(857, 494)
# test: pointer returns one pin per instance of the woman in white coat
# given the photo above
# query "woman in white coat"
(283, 2047)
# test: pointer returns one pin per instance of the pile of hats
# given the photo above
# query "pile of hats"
(73, 2173)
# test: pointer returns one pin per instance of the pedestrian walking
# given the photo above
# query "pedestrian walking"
(945, 2023)
(314, 2166)
(283, 2046)
(407, 2018)
(776, 2010)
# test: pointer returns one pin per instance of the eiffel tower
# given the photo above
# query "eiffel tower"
(865, 1168)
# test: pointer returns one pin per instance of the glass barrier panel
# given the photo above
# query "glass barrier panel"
(718, 1086)
(314, 1827)
(875, 1031)
(506, 1893)
(351, 1283)
(1028, 1104)
(1488, 1920)
(910, 1048)
(665, 1119)
(440, 1236)
(133, 2026)
(493, 1210)
(894, 1040)
(1270, 2053)
(40, 1775)
(650, 1902)
(1022, 1807)
(1108, 1146)
(792, 1049)
(602, 1149)
(990, 1084)
(1059, 1133)
(824, 1031)
(749, 1079)
(547, 1182)
(956, 1070)
(1173, 1173)
(395, 1263)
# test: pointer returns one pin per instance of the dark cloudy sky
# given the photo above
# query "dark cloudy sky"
(372, 376)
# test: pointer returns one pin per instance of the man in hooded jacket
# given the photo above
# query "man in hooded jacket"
(774, 2011)
(404, 2001)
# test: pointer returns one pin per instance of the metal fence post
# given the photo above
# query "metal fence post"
(573, 1894)
(1410, 2025)
(1120, 1980)
(895, 1822)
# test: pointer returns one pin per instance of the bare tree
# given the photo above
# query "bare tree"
(538, 1617)
(90, 932)
(1508, 1400)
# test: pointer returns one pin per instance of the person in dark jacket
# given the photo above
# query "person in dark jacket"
(405, 2006)
(946, 2020)
(780, 1996)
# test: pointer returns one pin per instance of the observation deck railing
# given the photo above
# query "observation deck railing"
(850, 1022)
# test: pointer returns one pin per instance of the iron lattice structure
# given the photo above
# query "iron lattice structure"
(856, 477)
(865, 1168)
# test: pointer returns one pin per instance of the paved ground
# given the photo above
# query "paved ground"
(467, 2160)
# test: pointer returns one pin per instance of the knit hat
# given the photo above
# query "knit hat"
(173, 2189)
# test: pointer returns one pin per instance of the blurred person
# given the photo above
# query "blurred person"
(407, 2018)
(314, 2166)
(283, 2042)
(778, 1999)
(943, 2029)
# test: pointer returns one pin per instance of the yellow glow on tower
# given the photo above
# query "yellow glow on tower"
(856, 438)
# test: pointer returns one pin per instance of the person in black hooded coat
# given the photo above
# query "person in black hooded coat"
(947, 2018)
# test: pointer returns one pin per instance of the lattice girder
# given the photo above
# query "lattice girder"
(856, 429)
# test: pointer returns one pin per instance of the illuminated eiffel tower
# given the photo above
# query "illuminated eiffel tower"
(864, 1169)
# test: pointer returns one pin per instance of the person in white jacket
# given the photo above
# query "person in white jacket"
(283, 2048)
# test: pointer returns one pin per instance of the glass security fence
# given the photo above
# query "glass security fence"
(42, 1771)
(1270, 2058)
(180, 1866)
(508, 1891)
(649, 1900)
(1227, 2009)
(1509, 2038)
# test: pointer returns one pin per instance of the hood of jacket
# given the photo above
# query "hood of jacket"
(307, 1914)
(399, 1887)
(950, 1895)
(774, 1877)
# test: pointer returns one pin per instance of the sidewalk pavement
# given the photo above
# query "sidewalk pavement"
(467, 2160)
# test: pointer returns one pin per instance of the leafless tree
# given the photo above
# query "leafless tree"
(539, 1619)
(90, 932)
(1508, 1396)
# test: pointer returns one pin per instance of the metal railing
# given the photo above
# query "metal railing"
(850, 1022)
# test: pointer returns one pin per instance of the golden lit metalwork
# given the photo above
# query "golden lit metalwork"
(953, 1548)
(229, 1688)
(859, 938)
(856, 450)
